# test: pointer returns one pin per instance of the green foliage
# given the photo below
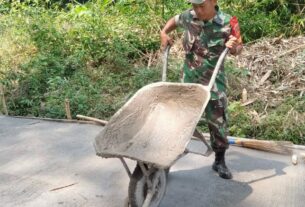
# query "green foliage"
(95, 55)
(240, 121)
(86, 39)
(286, 122)
(263, 18)
(236, 80)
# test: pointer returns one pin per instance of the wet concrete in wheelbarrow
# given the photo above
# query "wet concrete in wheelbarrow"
(45, 163)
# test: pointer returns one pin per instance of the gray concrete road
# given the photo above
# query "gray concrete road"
(38, 157)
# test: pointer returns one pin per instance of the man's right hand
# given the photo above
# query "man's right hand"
(165, 40)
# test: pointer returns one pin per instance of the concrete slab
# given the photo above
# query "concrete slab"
(38, 157)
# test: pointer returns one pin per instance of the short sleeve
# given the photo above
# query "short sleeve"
(182, 20)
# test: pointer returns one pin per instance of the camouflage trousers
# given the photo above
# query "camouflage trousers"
(216, 116)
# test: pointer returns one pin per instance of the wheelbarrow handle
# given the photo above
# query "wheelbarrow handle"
(212, 80)
(165, 62)
(218, 64)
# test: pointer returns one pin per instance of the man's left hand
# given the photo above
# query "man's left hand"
(233, 44)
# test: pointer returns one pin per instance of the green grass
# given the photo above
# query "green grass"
(96, 54)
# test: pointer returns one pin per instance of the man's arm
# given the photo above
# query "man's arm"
(169, 27)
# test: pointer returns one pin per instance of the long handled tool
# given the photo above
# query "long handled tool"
(279, 147)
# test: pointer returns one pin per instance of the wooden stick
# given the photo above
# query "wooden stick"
(289, 51)
(67, 107)
(102, 122)
(54, 189)
(244, 96)
(248, 102)
(57, 120)
(149, 60)
(265, 77)
(3, 100)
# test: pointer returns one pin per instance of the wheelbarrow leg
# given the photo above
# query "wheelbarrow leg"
(125, 166)
(199, 135)
(126, 202)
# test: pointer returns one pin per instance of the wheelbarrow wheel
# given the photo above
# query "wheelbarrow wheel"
(138, 188)
(167, 171)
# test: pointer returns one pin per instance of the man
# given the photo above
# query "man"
(207, 31)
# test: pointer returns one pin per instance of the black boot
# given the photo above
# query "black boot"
(220, 166)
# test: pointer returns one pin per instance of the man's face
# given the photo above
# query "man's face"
(206, 10)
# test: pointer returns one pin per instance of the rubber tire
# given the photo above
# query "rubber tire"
(167, 170)
(137, 189)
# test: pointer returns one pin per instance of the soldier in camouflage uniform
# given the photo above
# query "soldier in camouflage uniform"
(207, 32)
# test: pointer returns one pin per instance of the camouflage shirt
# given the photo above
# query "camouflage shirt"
(203, 43)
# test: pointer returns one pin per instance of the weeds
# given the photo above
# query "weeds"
(87, 53)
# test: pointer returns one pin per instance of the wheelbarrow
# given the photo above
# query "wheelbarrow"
(154, 128)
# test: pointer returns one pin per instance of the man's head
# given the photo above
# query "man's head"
(204, 9)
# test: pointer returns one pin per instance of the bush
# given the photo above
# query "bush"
(265, 18)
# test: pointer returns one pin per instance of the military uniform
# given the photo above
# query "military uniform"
(203, 43)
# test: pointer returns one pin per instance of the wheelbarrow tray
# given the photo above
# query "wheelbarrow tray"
(155, 125)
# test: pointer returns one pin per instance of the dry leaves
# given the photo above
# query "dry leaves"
(277, 68)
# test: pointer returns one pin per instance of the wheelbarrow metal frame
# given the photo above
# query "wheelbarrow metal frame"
(151, 166)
